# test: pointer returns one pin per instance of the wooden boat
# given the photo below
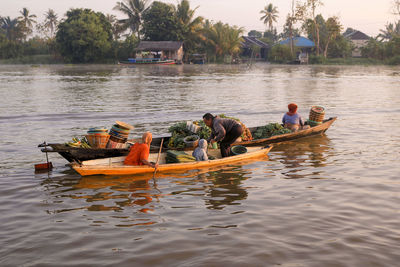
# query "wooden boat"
(115, 166)
(78, 154)
(147, 61)
(318, 129)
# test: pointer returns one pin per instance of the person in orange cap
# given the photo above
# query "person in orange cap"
(292, 120)
(139, 152)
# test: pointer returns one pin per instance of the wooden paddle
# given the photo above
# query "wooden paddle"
(158, 158)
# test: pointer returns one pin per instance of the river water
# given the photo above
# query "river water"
(329, 200)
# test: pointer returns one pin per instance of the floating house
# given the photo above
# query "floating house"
(251, 44)
(359, 40)
(304, 46)
(165, 50)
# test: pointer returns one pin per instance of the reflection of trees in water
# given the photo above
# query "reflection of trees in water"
(306, 152)
(317, 71)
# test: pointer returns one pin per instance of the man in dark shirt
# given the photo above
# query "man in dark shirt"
(224, 131)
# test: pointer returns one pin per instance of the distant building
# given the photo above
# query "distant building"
(304, 46)
(248, 47)
(359, 40)
(162, 49)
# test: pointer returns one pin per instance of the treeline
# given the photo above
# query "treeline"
(86, 36)
(327, 35)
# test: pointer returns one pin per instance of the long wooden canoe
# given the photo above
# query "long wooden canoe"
(147, 61)
(78, 154)
(319, 129)
(115, 166)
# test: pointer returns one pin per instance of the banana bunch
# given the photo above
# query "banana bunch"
(85, 143)
(78, 143)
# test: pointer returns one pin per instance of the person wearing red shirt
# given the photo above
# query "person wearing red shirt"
(139, 152)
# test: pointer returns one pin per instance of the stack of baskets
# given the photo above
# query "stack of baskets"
(97, 137)
(316, 117)
(119, 133)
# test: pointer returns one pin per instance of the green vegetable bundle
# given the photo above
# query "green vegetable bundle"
(269, 130)
(174, 156)
(179, 132)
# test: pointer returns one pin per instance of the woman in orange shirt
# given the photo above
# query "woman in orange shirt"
(139, 152)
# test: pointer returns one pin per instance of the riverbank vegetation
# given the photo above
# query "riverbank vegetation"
(86, 36)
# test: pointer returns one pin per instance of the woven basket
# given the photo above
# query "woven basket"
(97, 140)
(192, 143)
(115, 142)
(317, 114)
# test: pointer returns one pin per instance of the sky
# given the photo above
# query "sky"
(368, 16)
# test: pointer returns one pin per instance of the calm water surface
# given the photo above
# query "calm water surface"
(330, 200)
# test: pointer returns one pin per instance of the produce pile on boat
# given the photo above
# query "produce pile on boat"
(100, 137)
(76, 142)
(180, 131)
(269, 130)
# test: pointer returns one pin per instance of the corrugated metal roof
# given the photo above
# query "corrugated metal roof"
(159, 46)
(249, 41)
(299, 42)
(357, 35)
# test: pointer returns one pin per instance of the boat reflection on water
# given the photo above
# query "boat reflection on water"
(298, 156)
(134, 200)
(126, 191)
(221, 187)
(226, 188)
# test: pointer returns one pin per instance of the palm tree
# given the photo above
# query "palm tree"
(27, 20)
(333, 28)
(269, 15)
(50, 21)
(221, 39)
(235, 40)
(191, 26)
(10, 27)
(185, 14)
(390, 31)
(134, 10)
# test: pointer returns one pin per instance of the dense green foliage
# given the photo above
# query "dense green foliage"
(221, 42)
(388, 51)
(280, 54)
(85, 36)
(161, 24)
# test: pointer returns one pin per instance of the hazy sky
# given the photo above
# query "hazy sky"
(368, 16)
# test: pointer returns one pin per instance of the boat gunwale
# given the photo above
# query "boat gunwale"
(85, 170)
(302, 133)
